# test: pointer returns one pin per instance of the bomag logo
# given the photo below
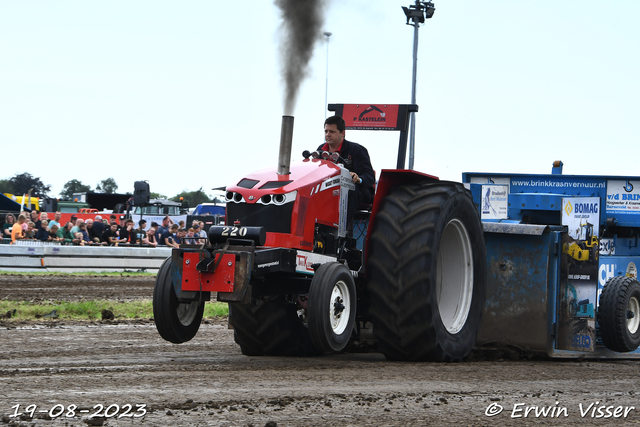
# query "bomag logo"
(586, 208)
(568, 208)
(372, 117)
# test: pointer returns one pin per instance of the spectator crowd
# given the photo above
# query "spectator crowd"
(101, 231)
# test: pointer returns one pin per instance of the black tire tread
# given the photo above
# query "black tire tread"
(270, 328)
(164, 309)
(612, 314)
(401, 243)
(159, 303)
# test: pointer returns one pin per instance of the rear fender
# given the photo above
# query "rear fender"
(390, 178)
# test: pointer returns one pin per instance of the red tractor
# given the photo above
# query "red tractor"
(298, 283)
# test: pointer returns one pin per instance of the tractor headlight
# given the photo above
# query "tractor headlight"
(278, 199)
(230, 196)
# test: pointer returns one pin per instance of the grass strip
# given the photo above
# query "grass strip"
(92, 310)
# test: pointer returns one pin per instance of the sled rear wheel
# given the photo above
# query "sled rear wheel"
(619, 314)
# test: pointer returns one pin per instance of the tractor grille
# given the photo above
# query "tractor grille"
(274, 219)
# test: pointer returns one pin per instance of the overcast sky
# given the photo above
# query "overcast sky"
(189, 95)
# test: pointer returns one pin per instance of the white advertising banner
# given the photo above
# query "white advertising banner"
(495, 202)
(623, 196)
(580, 214)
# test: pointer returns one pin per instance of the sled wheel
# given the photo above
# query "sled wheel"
(176, 321)
(270, 328)
(332, 307)
(619, 314)
(427, 272)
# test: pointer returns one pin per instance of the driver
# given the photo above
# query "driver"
(357, 161)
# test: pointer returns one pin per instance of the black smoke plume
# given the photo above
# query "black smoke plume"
(302, 27)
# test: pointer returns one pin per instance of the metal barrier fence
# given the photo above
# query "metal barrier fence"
(49, 257)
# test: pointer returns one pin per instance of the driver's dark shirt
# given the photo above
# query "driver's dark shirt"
(358, 161)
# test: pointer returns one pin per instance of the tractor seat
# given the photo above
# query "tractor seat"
(363, 212)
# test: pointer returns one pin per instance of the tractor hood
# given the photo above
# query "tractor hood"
(267, 181)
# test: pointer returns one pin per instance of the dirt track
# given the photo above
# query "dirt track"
(208, 382)
(73, 288)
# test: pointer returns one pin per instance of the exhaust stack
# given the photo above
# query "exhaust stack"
(286, 140)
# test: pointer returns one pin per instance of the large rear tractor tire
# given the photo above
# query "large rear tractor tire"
(427, 270)
(176, 321)
(332, 307)
(619, 314)
(270, 328)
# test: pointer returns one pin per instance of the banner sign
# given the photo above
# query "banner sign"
(371, 116)
(495, 203)
(623, 196)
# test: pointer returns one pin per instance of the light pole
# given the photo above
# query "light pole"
(326, 85)
(416, 14)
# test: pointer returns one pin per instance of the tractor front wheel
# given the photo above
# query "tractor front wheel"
(332, 307)
(176, 321)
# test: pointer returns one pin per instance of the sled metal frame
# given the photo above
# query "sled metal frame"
(524, 260)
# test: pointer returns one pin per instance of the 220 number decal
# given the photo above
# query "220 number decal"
(234, 231)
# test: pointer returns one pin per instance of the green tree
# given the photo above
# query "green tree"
(153, 195)
(24, 182)
(5, 186)
(108, 186)
(73, 186)
(193, 198)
